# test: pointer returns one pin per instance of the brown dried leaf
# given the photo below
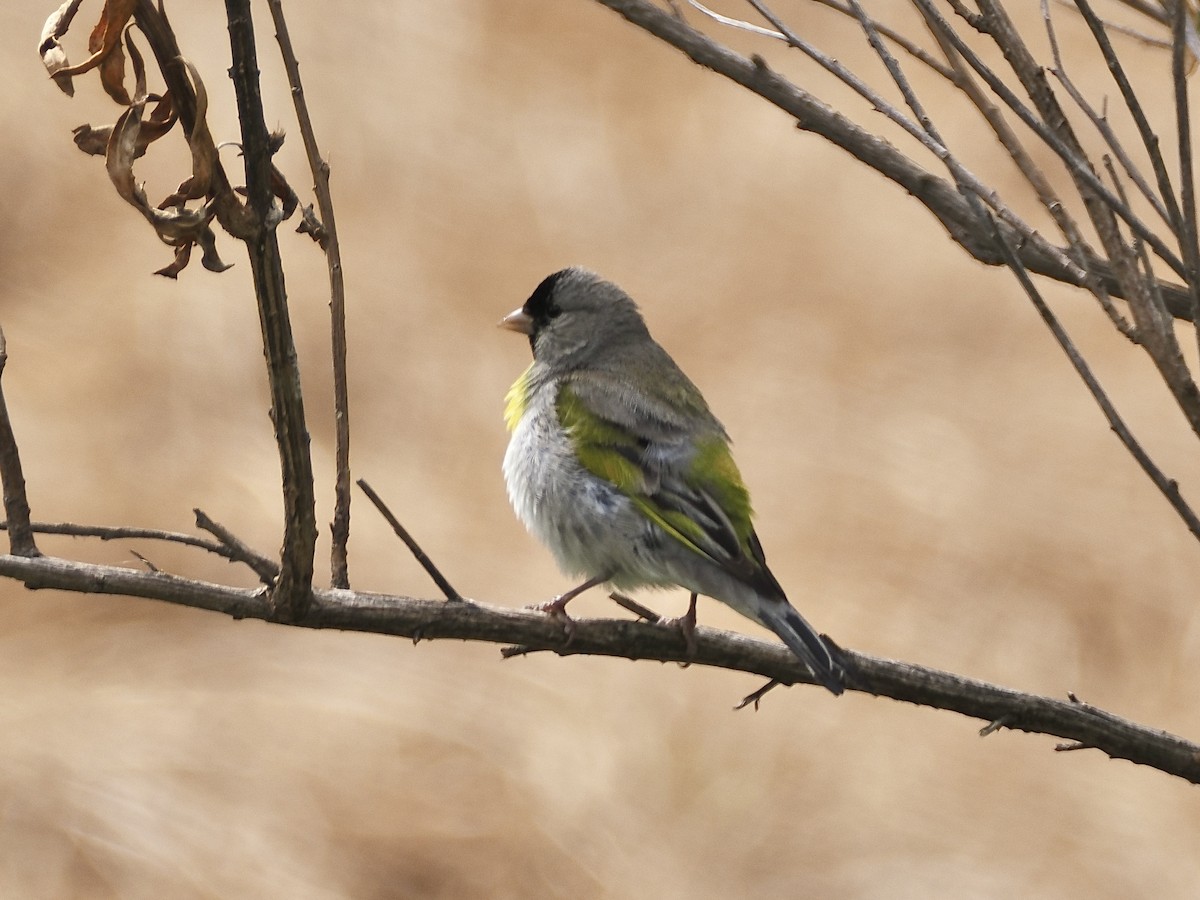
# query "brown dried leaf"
(139, 68)
(204, 151)
(54, 57)
(281, 189)
(93, 141)
(178, 227)
(112, 75)
(105, 35)
(122, 151)
(210, 259)
(183, 253)
(310, 224)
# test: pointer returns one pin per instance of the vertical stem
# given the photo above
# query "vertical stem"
(293, 590)
(1187, 189)
(16, 504)
(340, 575)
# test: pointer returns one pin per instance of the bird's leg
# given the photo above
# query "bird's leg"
(686, 624)
(558, 606)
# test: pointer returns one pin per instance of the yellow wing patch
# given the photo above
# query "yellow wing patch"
(517, 399)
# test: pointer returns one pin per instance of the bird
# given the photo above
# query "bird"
(616, 463)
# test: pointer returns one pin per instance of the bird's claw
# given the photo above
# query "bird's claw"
(557, 609)
(687, 626)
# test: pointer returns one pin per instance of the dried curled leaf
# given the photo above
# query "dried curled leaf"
(204, 151)
(284, 192)
(311, 225)
(177, 225)
(94, 141)
(105, 36)
(112, 75)
(54, 57)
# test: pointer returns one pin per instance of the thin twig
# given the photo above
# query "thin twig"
(739, 24)
(963, 177)
(897, 74)
(1101, 123)
(340, 527)
(909, 47)
(1077, 246)
(238, 550)
(401, 532)
(129, 532)
(1133, 105)
(1147, 8)
(16, 502)
(1162, 320)
(1168, 486)
(628, 603)
(1140, 36)
(150, 566)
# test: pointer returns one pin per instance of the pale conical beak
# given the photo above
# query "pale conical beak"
(518, 320)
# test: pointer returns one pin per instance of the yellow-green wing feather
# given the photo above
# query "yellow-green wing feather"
(705, 506)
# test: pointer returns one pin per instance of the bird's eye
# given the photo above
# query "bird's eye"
(554, 311)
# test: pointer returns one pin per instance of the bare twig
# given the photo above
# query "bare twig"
(909, 47)
(628, 603)
(1168, 486)
(1060, 139)
(922, 130)
(1147, 265)
(1145, 131)
(1077, 247)
(129, 532)
(340, 527)
(401, 532)
(16, 503)
(1102, 126)
(740, 24)
(292, 590)
(238, 550)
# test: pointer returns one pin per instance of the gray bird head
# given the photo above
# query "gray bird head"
(574, 317)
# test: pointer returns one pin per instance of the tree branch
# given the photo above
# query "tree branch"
(291, 594)
(16, 503)
(940, 196)
(422, 619)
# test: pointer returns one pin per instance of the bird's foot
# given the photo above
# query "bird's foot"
(754, 697)
(557, 609)
(687, 626)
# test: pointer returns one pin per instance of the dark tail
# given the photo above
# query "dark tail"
(800, 637)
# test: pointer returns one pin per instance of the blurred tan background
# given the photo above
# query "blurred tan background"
(932, 484)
